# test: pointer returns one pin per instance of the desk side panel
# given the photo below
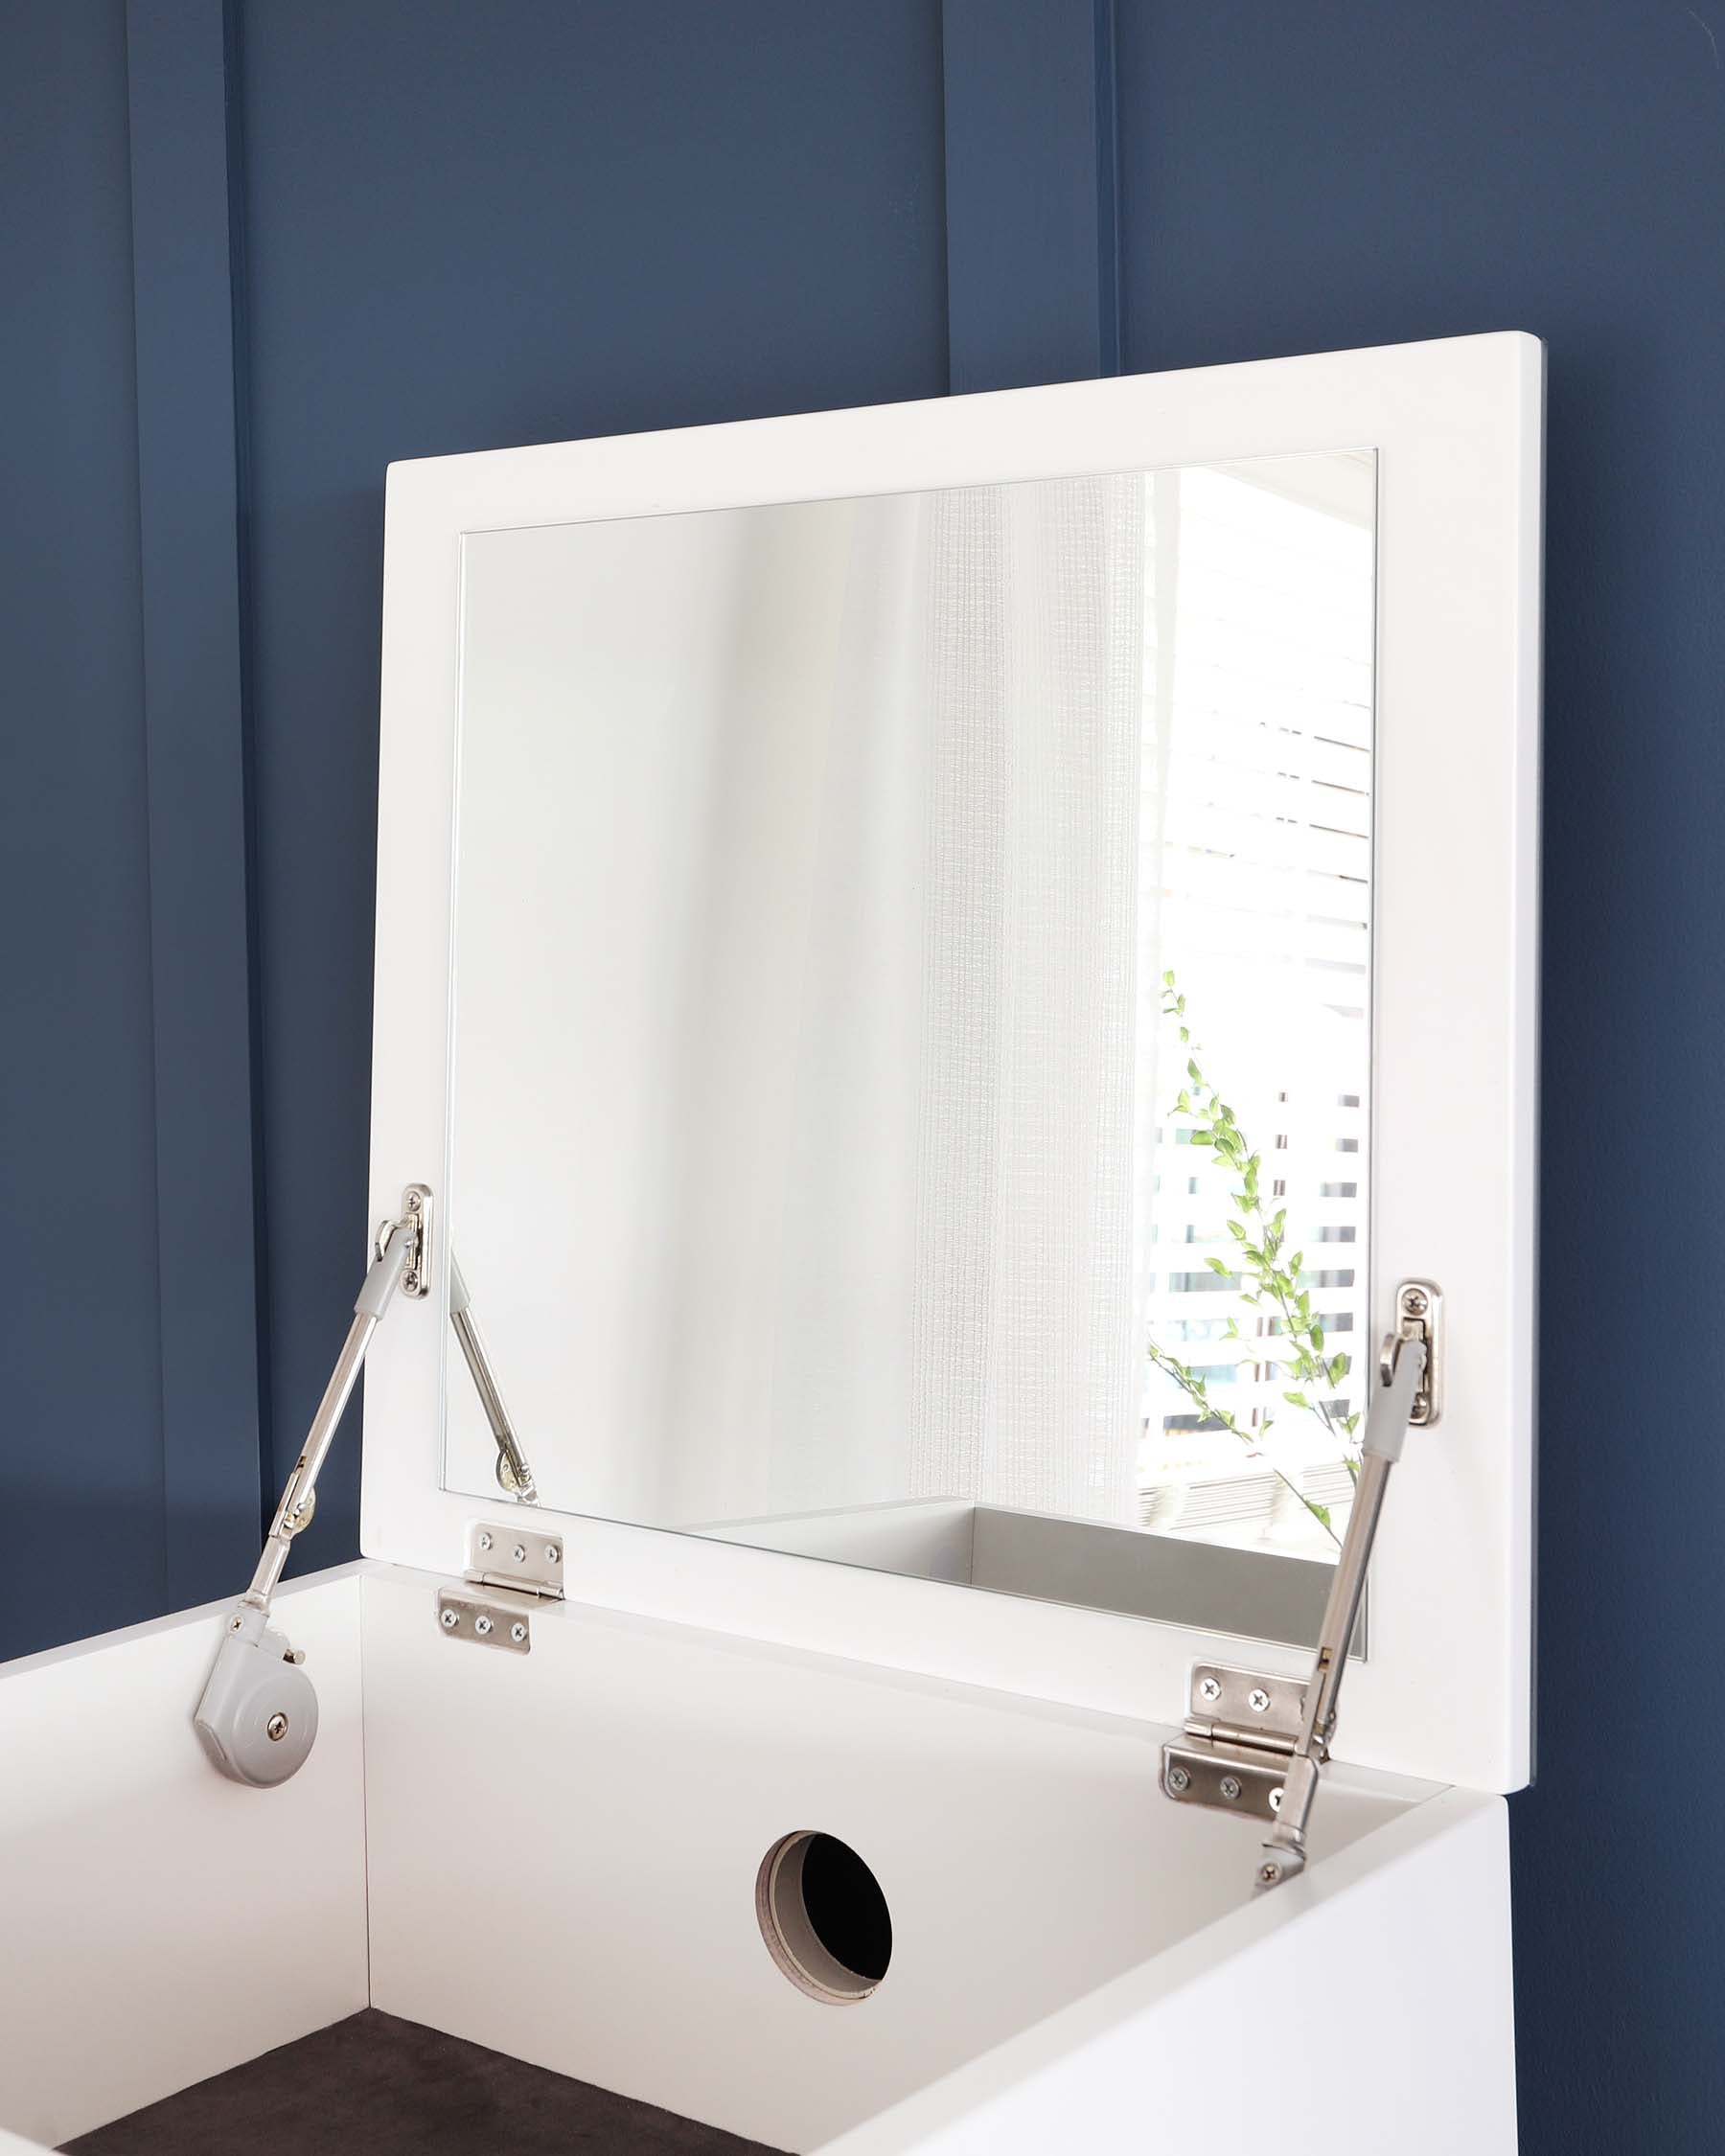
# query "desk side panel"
(161, 1924)
(1365, 2008)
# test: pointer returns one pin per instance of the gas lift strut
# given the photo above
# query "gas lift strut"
(1255, 1743)
(1386, 1422)
(258, 1715)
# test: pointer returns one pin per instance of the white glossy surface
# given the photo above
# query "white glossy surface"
(158, 1923)
(1370, 2011)
(1457, 428)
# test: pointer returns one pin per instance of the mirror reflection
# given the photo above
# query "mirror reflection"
(911, 1051)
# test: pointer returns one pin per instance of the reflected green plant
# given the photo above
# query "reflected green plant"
(1271, 1283)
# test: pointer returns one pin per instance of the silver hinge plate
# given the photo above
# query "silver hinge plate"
(509, 1555)
(487, 1619)
(511, 1571)
(1239, 1737)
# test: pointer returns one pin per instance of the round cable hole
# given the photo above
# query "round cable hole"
(823, 1916)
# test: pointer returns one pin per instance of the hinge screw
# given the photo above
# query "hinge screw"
(1209, 1689)
(1259, 1701)
(1230, 1788)
(1275, 1798)
(1414, 1303)
(484, 1540)
(552, 1553)
(1179, 1780)
(1269, 1874)
(518, 1632)
(520, 1553)
(482, 1625)
(276, 1728)
(413, 1200)
(449, 1620)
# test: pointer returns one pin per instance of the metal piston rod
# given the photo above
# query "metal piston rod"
(514, 1473)
(397, 1249)
(401, 1254)
(1403, 1369)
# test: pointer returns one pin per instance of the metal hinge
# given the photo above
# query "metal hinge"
(1419, 1316)
(416, 1219)
(511, 1571)
(1240, 1734)
(1258, 1744)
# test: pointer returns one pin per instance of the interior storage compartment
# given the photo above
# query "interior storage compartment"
(558, 1857)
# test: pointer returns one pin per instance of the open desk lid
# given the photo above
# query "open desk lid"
(1445, 1691)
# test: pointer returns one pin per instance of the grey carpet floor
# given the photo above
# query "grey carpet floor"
(377, 2083)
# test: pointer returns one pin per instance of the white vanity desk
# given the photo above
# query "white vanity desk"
(554, 1853)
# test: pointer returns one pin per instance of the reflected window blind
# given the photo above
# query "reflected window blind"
(1257, 772)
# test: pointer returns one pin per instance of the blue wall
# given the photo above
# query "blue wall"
(256, 251)
(80, 1380)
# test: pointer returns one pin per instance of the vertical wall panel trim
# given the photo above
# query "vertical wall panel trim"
(1111, 353)
(1031, 172)
(188, 486)
(233, 10)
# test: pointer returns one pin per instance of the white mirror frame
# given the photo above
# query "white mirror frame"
(1457, 425)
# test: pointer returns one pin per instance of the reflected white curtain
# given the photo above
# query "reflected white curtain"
(1024, 1380)
(842, 1364)
(959, 1197)
(801, 858)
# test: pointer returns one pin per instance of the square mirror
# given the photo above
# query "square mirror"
(912, 1054)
